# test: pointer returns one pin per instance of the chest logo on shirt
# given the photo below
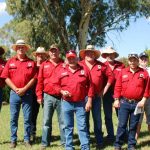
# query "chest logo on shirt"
(118, 69)
(141, 75)
(12, 65)
(64, 73)
(46, 66)
(125, 76)
(29, 64)
(99, 67)
(82, 72)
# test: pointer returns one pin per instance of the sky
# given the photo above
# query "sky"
(134, 39)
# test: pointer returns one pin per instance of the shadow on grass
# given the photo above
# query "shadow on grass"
(143, 134)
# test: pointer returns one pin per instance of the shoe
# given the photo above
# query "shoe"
(33, 138)
(13, 145)
(27, 144)
(99, 146)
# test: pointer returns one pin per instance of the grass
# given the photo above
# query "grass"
(143, 141)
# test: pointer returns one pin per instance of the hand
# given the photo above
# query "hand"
(117, 104)
(20, 91)
(141, 104)
(65, 93)
(88, 105)
(40, 101)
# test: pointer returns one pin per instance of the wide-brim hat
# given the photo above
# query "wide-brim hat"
(20, 42)
(109, 50)
(40, 50)
(89, 48)
(2, 50)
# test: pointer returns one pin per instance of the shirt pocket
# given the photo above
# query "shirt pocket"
(125, 82)
(82, 79)
(140, 82)
(12, 69)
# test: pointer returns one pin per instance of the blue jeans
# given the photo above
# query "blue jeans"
(50, 104)
(107, 106)
(15, 104)
(69, 109)
(1, 96)
(97, 119)
(126, 113)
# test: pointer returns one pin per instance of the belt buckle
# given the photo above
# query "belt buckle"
(130, 100)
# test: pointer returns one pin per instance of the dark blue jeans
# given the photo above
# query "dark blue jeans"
(15, 104)
(1, 93)
(77, 108)
(126, 113)
(96, 114)
(107, 106)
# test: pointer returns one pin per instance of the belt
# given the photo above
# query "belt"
(131, 101)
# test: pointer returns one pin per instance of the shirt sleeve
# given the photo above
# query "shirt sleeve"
(40, 83)
(109, 75)
(147, 87)
(118, 86)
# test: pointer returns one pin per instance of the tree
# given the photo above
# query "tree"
(74, 23)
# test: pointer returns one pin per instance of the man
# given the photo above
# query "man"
(115, 66)
(131, 91)
(2, 82)
(143, 61)
(99, 73)
(48, 73)
(40, 56)
(20, 76)
(74, 83)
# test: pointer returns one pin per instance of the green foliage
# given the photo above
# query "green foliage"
(124, 60)
(43, 22)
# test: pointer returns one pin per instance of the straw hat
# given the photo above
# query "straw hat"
(40, 50)
(20, 42)
(109, 50)
(2, 50)
(90, 48)
(54, 46)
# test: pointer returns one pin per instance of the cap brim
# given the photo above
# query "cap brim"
(71, 55)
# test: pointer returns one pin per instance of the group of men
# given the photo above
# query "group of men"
(75, 87)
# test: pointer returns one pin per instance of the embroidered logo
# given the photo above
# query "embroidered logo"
(46, 66)
(64, 73)
(141, 75)
(29, 64)
(125, 76)
(82, 72)
(12, 65)
(99, 66)
(118, 69)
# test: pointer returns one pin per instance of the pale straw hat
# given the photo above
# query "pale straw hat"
(40, 50)
(90, 48)
(109, 50)
(20, 42)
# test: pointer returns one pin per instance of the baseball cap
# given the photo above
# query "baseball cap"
(133, 55)
(143, 54)
(71, 53)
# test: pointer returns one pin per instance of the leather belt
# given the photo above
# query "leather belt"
(131, 101)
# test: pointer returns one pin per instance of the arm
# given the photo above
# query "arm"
(11, 84)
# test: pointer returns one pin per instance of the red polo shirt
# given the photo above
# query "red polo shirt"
(118, 66)
(99, 73)
(2, 65)
(132, 85)
(19, 72)
(79, 84)
(48, 74)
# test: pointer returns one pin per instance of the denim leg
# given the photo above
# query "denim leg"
(15, 104)
(27, 111)
(61, 121)
(68, 111)
(96, 114)
(81, 125)
(1, 96)
(35, 111)
(123, 113)
(107, 105)
(133, 122)
(48, 111)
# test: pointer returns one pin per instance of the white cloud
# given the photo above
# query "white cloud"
(2, 7)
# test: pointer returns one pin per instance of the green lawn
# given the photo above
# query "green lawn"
(143, 142)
